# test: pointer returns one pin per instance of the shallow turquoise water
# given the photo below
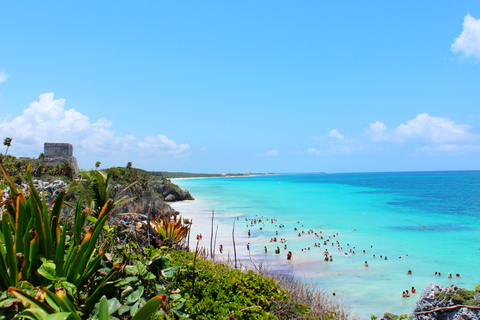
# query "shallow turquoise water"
(429, 219)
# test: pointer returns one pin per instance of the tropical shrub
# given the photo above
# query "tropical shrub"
(219, 292)
(461, 296)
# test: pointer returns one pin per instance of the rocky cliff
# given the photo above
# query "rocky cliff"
(447, 303)
(172, 192)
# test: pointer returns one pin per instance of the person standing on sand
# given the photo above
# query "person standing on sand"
(221, 248)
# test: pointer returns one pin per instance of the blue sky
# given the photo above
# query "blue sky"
(247, 86)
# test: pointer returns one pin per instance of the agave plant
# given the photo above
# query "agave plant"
(34, 246)
(56, 306)
(170, 227)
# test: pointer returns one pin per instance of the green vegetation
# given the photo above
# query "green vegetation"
(461, 296)
(98, 188)
(219, 292)
(17, 169)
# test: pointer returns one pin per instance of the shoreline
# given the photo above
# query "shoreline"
(362, 217)
(255, 257)
(307, 266)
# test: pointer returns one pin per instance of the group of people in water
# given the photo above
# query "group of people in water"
(325, 240)
(406, 294)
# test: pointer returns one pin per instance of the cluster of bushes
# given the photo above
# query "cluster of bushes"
(461, 296)
(17, 169)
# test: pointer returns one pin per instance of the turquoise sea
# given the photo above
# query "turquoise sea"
(423, 221)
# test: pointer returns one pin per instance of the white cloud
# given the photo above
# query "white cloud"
(425, 128)
(429, 134)
(433, 130)
(47, 120)
(271, 153)
(468, 43)
(3, 77)
(377, 131)
(335, 134)
(314, 151)
(335, 143)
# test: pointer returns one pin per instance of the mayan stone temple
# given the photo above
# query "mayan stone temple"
(58, 153)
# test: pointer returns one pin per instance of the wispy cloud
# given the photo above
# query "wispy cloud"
(468, 43)
(271, 153)
(334, 143)
(3, 77)
(335, 134)
(432, 133)
(47, 120)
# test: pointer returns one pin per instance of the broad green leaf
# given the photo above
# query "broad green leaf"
(131, 270)
(149, 308)
(142, 270)
(92, 219)
(126, 281)
(135, 295)
(63, 316)
(169, 272)
(134, 308)
(126, 292)
(103, 313)
(113, 305)
(123, 309)
(33, 314)
(47, 270)
(175, 296)
(70, 287)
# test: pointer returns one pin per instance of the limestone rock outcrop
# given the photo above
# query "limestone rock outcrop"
(172, 193)
(429, 302)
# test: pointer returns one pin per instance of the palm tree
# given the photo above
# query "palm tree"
(7, 142)
(41, 156)
(97, 164)
(97, 187)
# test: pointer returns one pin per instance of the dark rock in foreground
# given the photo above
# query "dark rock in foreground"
(429, 302)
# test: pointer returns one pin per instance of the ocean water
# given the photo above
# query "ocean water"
(425, 222)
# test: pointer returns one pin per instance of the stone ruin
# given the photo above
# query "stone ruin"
(58, 153)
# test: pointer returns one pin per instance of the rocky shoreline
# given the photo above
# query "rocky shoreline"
(154, 201)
